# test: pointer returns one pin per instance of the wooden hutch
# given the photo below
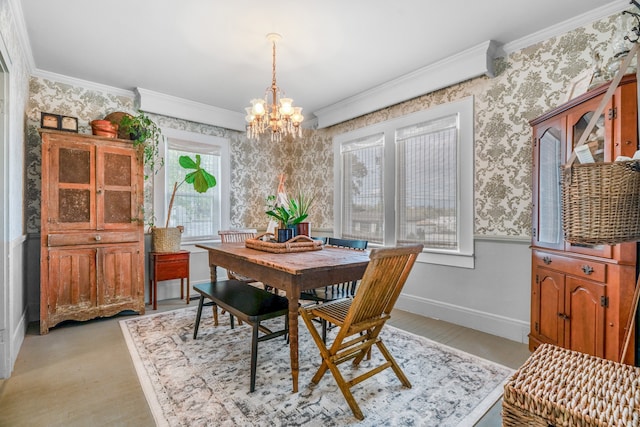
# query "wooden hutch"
(92, 245)
(581, 295)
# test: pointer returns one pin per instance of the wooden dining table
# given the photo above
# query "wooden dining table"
(291, 272)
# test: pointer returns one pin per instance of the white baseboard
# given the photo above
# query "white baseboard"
(513, 329)
(11, 347)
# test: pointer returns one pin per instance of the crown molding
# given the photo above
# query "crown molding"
(172, 106)
(465, 65)
(72, 81)
(565, 26)
(15, 8)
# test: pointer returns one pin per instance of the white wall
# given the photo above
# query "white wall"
(14, 94)
(493, 297)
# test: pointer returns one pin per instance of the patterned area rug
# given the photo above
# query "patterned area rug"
(205, 382)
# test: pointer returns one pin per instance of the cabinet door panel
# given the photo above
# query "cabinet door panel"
(120, 274)
(72, 286)
(583, 306)
(549, 290)
(71, 186)
(117, 199)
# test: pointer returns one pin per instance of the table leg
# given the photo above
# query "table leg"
(155, 293)
(214, 278)
(293, 339)
(150, 281)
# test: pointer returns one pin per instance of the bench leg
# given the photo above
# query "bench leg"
(254, 356)
(197, 324)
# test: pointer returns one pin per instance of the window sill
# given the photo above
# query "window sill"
(451, 260)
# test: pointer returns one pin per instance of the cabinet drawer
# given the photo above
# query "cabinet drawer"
(576, 267)
(69, 239)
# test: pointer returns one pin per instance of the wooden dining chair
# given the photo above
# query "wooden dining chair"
(361, 319)
(337, 290)
(237, 236)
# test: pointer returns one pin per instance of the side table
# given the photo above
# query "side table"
(167, 266)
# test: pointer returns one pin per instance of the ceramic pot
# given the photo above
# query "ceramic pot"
(304, 229)
(285, 234)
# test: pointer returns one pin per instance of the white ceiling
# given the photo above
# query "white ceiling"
(216, 52)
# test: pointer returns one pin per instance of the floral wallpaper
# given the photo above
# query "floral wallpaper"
(528, 83)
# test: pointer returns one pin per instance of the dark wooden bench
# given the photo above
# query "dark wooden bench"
(249, 304)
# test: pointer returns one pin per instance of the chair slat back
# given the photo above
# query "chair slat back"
(382, 283)
(236, 236)
(347, 243)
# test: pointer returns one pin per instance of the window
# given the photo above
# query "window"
(201, 214)
(410, 180)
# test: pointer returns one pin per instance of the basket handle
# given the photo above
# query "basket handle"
(612, 88)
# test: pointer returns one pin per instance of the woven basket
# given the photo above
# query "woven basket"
(601, 203)
(166, 239)
(297, 244)
(561, 387)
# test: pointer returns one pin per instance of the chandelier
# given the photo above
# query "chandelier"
(279, 118)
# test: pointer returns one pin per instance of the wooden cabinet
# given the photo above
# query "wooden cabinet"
(581, 295)
(92, 246)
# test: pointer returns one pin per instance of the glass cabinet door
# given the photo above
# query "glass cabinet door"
(548, 155)
(577, 122)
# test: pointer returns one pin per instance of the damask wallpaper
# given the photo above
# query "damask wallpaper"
(528, 83)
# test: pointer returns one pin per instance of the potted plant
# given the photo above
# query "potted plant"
(146, 133)
(167, 239)
(288, 216)
(300, 211)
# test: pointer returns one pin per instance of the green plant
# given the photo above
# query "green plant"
(302, 204)
(287, 214)
(200, 178)
(145, 132)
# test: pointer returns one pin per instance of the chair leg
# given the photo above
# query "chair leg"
(346, 391)
(198, 316)
(324, 331)
(254, 356)
(394, 365)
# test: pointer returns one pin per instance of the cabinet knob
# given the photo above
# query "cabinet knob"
(563, 316)
(546, 260)
(99, 191)
(587, 269)
(98, 238)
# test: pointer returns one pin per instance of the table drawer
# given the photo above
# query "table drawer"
(171, 270)
(587, 269)
(96, 237)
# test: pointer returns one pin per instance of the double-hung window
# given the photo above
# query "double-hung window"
(201, 214)
(410, 180)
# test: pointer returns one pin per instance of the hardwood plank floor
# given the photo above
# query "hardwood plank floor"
(81, 374)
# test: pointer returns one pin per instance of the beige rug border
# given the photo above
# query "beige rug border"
(156, 409)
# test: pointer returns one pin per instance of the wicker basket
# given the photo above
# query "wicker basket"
(297, 244)
(560, 387)
(166, 239)
(601, 203)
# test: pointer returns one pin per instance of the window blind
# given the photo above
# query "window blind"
(199, 213)
(427, 183)
(362, 189)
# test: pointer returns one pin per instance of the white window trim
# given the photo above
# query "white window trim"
(464, 256)
(159, 180)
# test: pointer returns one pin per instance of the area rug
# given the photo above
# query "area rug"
(205, 382)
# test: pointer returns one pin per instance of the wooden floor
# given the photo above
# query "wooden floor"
(81, 374)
